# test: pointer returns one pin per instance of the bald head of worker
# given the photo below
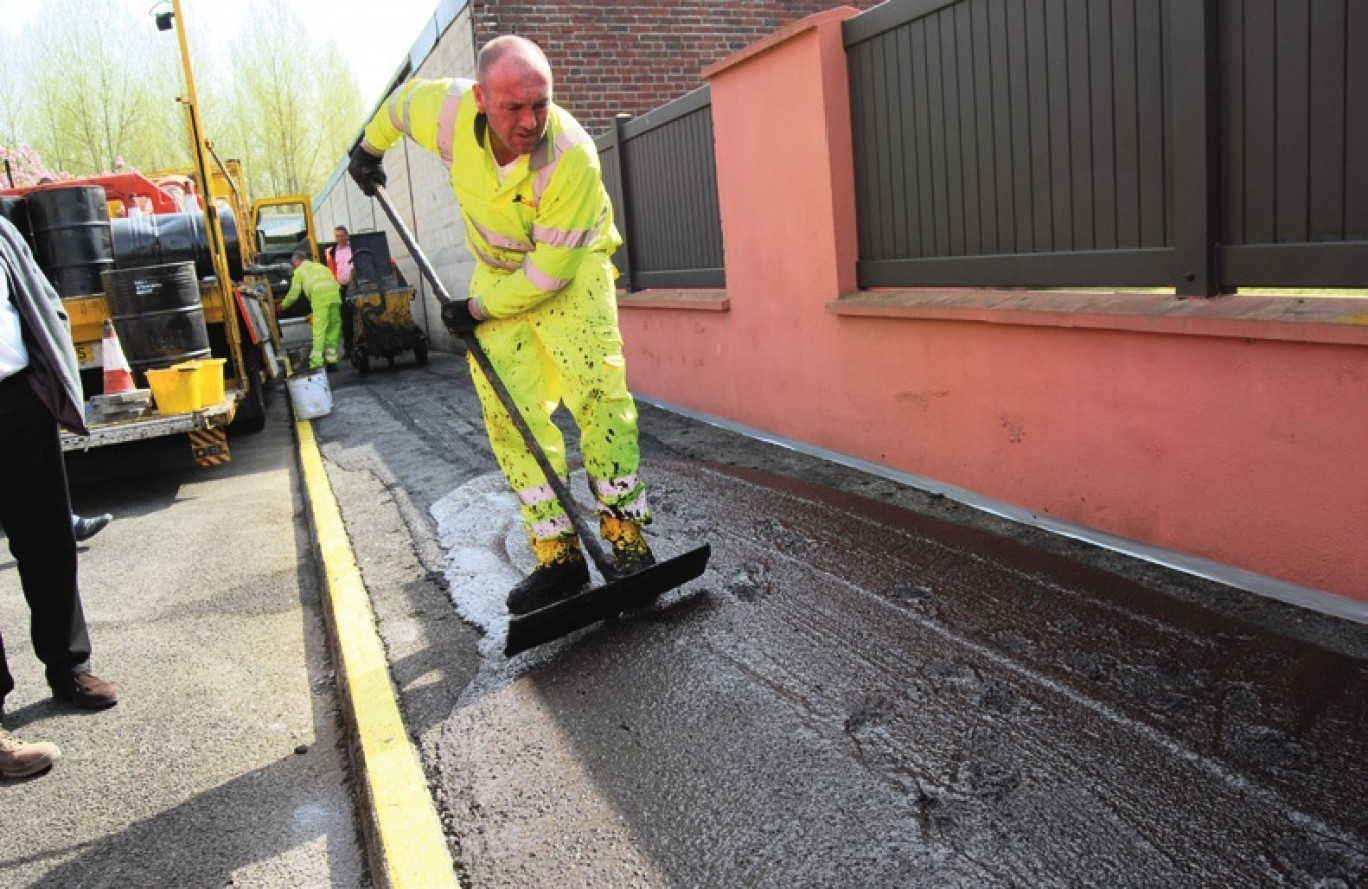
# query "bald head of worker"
(514, 94)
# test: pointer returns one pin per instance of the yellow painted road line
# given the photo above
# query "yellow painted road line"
(408, 849)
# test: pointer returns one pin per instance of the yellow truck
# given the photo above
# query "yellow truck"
(238, 313)
(185, 267)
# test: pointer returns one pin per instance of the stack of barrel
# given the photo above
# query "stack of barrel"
(147, 267)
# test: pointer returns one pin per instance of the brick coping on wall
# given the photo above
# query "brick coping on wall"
(1309, 319)
(784, 34)
(698, 300)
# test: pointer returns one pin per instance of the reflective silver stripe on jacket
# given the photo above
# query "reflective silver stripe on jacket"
(558, 238)
(494, 239)
(541, 280)
(492, 261)
(446, 121)
(546, 165)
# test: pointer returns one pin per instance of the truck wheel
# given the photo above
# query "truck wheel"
(251, 413)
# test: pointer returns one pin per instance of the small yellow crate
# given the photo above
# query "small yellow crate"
(208, 376)
(210, 380)
(175, 390)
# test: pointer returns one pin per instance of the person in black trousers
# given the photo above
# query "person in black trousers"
(40, 392)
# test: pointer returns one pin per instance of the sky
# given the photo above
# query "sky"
(373, 38)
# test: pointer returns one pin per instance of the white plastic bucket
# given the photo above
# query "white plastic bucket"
(296, 339)
(309, 394)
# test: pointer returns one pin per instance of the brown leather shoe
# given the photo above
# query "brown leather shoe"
(20, 760)
(87, 691)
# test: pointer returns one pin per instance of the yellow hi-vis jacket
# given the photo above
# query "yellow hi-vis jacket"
(314, 281)
(529, 233)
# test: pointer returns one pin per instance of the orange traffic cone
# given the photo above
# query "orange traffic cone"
(118, 377)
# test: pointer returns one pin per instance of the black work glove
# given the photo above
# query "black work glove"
(367, 170)
(458, 319)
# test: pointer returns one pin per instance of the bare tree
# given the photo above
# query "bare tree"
(341, 113)
(95, 86)
(296, 106)
(13, 61)
(90, 86)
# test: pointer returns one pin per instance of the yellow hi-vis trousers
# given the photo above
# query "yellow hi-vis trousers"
(566, 350)
(325, 307)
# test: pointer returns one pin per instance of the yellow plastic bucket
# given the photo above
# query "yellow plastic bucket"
(208, 374)
(211, 380)
(175, 390)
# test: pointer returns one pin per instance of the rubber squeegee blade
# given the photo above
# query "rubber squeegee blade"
(628, 593)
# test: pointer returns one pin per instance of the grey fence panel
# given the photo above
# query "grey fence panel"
(661, 172)
(1356, 123)
(1179, 138)
(1326, 118)
(1010, 128)
(1296, 101)
(1199, 144)
(612, 180)
(1294, 121)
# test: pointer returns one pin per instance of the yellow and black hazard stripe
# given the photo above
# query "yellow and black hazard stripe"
(210, 446)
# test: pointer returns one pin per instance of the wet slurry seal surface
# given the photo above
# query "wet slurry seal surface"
(868, 687)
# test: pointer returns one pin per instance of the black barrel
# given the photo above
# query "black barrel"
(158, 316)
(71, 238)
(16, 211)
(160, 239)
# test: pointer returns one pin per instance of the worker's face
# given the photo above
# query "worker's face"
(515, 98)
(341, 237)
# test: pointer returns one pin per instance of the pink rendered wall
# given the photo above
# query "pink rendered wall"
(1245, 450)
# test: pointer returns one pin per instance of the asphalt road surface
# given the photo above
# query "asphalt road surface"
(870, 686)
(224, 762)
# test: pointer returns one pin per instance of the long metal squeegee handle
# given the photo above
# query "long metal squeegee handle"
(587, 538)
(415, 251)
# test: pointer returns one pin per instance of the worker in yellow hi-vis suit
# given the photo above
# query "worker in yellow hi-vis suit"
(542, 299)
(325, 301)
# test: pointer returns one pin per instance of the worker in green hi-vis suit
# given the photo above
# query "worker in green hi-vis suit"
(313, 280)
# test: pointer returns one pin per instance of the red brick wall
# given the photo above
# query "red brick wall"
(614, 57)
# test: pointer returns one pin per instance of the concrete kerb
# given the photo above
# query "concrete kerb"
(406, 846)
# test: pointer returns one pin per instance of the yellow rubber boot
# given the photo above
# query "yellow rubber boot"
(561, 572)
(630, 551)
